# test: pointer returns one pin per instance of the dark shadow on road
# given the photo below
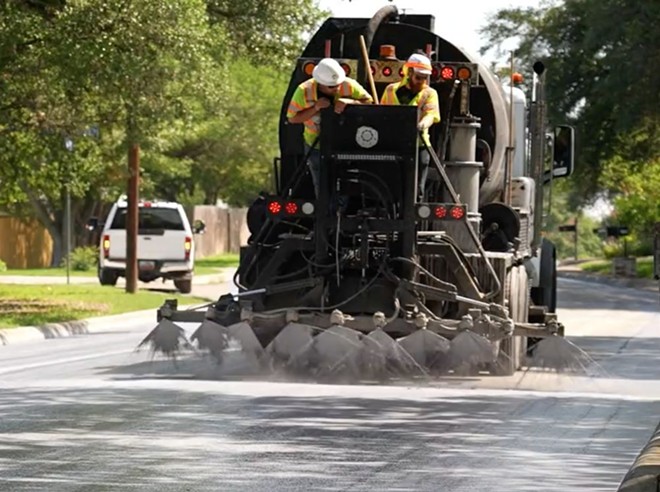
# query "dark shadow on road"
(201, 437)
(590, 295)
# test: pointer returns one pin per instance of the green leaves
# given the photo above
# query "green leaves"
(601, 57)
(268, 32)
(199, 84)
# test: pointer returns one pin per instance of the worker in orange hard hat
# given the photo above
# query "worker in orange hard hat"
(329, 86)
(413, 89)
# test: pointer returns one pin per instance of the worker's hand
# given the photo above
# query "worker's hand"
(321, 104)
(341, 104)
(423, 125)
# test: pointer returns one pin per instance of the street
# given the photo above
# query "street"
(88, 413)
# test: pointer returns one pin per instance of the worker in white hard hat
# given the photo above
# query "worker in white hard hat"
(413, 89)
(329, 86)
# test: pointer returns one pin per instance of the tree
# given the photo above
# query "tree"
(269, 32)
(601, 57)
(141, 59)
(634, 181)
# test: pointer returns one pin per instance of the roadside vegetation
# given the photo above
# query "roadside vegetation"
(644, 266)
(35, 305)
(82, 82)
(589, 47)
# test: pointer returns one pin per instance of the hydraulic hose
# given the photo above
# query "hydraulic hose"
(378, 18)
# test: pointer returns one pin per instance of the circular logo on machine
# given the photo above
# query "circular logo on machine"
(366, 137)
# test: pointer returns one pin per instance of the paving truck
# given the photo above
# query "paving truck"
(372, 277)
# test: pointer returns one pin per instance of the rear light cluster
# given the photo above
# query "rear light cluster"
(187, 247)
(290, 208)
(440, 211)
(106, 246)
(308, 67)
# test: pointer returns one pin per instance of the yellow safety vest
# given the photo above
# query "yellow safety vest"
(426, 101)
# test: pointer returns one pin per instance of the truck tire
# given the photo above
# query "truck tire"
(513, 349)
(546, 293)
(108, 276)
(183, 286)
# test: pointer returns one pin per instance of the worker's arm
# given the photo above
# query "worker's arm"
(305, 114)
(430, 111)
(342, 102)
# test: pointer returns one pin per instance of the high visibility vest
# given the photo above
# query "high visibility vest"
(306, 95)
(426, 101)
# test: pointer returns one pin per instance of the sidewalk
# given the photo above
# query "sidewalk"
(223, 275)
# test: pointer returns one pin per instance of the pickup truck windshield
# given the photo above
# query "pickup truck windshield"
(151, 219)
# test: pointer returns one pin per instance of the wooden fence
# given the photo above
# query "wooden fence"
(27, 244)
(24, 243)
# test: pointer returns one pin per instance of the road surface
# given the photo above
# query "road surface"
(88, 414)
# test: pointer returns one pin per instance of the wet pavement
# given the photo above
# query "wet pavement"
(89, 413)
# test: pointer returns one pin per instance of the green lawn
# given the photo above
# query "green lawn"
(35, 305)
(203, 266)
(211, 264)
(644, 267)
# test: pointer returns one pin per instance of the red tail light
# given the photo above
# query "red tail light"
(440, 211)
(187, 247)
(457, 213)
(274, 208)
(291, 208)
(106, 246)
(447, 73)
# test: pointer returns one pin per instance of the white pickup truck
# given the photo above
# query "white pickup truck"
(165, 244)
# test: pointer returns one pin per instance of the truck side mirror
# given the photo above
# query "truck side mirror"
(92, 224)
(198, 226)
(563, 151)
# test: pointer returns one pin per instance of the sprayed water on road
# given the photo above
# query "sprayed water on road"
(339, 354)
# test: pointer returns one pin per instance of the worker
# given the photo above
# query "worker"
(329, 86)
(413, 89)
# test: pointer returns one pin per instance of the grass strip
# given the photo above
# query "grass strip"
(644, 267)
(36, 305)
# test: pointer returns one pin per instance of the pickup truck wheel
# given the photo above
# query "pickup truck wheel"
(183, 286)
(108, 277)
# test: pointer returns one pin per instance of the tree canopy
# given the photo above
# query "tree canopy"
(601, 58)
(184, 78)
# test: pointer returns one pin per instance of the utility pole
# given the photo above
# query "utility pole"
(132, 218)
(575, 238)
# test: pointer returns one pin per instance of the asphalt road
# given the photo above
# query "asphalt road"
(88, 414)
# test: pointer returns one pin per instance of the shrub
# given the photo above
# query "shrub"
(3, 266)
(83, 259)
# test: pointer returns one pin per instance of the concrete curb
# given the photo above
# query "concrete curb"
(26, 334)
(632, 283)
(115, 322)
(644, 474)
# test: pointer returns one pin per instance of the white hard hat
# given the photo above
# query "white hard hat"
(329, 72)
(420, 63)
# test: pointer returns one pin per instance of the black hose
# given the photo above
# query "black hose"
(378, 18)
(297, 175)
(447, 128)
